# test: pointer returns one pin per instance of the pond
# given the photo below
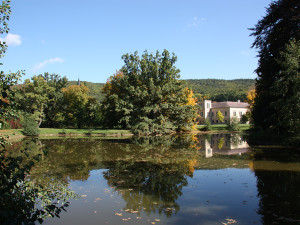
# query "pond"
(186, 179)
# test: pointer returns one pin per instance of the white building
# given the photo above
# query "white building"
(228, 109)
(222, 144)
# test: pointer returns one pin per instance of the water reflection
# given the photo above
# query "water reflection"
(154, 175)
(148, 187)
(24, 200)
(279, 195)
(278, 179)
(225, 144)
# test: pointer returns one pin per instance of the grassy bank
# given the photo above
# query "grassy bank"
(99, 132)
(69, 132)
(223, 127)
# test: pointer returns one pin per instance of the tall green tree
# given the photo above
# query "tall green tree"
(33, 97)
(272, 34)
(56, 100)
(42, 97)
(147, 97)
(287, 91)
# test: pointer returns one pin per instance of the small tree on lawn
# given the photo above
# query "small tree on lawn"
(233, 124)
(220, 116)
(207, 126)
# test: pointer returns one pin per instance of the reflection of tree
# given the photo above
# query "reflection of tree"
(278, 184)
(187, 141)
(155, 168)
(67, 159)
(152, 175)
(279, 194)
(221, 143)
(19, 194)
(148, 186)
(235, 140)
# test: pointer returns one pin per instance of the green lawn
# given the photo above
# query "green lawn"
(223, 127)
(48, 131)
(101, 132)
(82, 131)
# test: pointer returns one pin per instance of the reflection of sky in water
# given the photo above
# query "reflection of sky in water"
(211, 197)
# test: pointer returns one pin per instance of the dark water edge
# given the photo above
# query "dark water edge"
(185, 179)
(256, 137)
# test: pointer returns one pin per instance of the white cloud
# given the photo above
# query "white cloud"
(48, 61)
(196, 22)
(12, 39)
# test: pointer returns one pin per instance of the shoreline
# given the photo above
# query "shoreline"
(67, 133)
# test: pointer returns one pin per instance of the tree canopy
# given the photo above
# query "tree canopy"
(147, 97)
(275, 35)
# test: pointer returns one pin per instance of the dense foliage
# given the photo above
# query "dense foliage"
(34, 97)
(30, 126)
(54, 104)
(276, 105)
(147, 97)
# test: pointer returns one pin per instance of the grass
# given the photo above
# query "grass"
(100, 132)
(223, 127)
(82, 131)
(55, 131)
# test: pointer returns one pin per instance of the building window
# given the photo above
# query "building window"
(217, 121)
(241, 113)
(201, 113)
(234, 113)
(225, 113)
(207, 105)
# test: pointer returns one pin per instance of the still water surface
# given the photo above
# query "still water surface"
(188, 179)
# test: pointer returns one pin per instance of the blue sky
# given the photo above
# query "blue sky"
(86, 38)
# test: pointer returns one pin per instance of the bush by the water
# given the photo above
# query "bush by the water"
(207, 126)
(30, 126)
(233, 124)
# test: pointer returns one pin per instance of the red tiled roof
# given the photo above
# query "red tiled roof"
(229, 104)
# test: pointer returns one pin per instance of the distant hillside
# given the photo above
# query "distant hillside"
(222, 90)
(214, 89)
(95, 88)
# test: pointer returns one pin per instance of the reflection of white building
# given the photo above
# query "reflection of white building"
(224, 144)
(229, 110)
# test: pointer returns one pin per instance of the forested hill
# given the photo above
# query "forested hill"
(222, 90)
(214, 89)
(95, 88)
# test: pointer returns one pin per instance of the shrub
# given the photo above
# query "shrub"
(207, 126)
(30, 126)
(233, 124)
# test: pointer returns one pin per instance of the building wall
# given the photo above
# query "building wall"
(224, 111)
(207, 112)
(204, 111)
